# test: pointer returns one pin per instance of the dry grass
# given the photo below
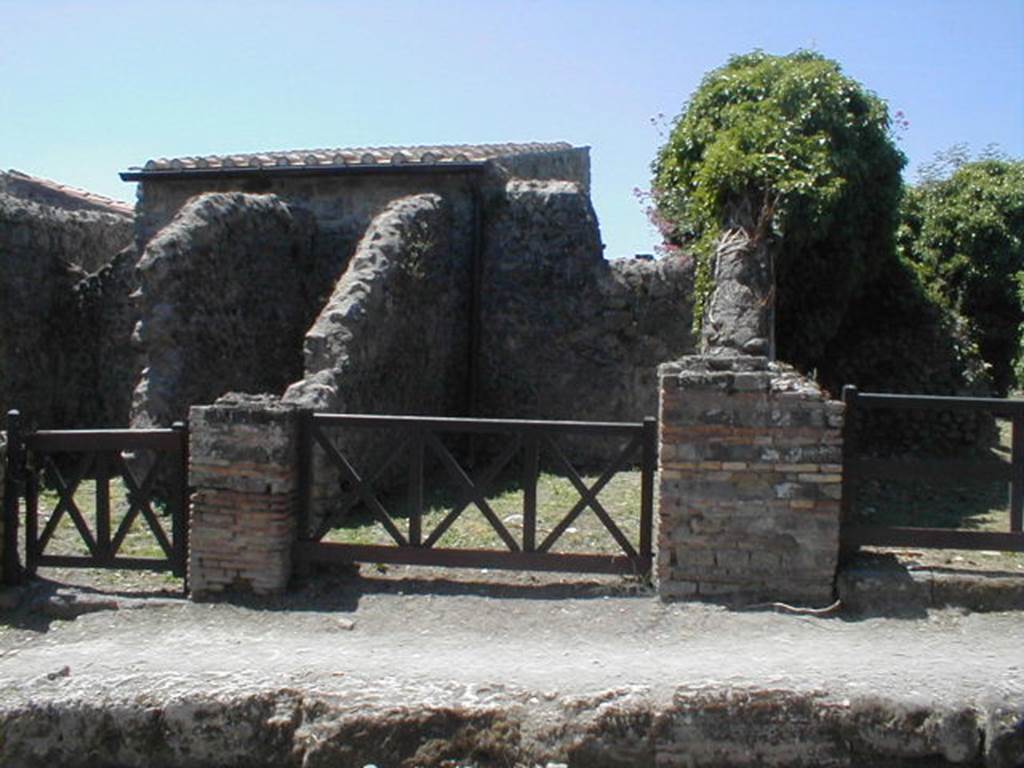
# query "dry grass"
(139, 542)
(955, 503)
(556, 496)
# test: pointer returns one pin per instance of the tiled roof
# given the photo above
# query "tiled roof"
(60, 195)
(359, 156)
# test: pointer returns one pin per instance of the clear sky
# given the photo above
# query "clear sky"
(89, 88)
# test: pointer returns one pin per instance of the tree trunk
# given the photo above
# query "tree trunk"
(739, 319)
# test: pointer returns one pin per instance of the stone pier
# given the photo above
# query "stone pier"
(750, 482)
(244, 469)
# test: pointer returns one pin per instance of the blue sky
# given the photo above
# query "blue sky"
(89, 88)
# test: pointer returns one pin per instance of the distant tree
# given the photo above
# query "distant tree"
(963, 229)
(799, 159)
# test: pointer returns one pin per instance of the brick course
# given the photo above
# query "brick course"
(243, 465)
(750, 479)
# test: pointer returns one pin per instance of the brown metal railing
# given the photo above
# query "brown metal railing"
(96, 454)
(523, 438)
(859, 469)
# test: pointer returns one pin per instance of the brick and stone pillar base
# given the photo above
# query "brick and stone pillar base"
(243, 468)
(750, 482)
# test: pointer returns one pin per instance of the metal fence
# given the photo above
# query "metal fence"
(858, 469)
(68, 457)
(420, 436)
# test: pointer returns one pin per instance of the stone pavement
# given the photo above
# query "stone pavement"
(418, 673)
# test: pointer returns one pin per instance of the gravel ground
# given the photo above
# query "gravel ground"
(394, 635)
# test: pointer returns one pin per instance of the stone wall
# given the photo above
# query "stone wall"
(3, 476)
(51, 351)
(393, 338)
(243, 466)
(108, 360)
(565, 165)
(750, 482)
(223, 306)
(565, 333)
(341, 206)
(81, 229)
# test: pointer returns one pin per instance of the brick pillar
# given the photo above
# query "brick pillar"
(243, 468)
(750, 482)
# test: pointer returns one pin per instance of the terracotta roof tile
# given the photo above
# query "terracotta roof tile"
(425, 155)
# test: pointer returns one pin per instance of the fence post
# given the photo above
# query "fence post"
(304, 455)
(13, 472)
(102, 469)
(416, 446)
(531, 469)
(648, 467)
(850, 398)
(179, 520)
(1017, 484)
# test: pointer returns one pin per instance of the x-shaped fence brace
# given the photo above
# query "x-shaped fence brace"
(139, 502)
(472, 491)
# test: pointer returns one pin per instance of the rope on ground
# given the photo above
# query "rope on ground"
(793, 609)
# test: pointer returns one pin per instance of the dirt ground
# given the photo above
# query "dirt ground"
(470, 632)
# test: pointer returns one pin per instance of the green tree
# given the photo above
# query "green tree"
(801, 158)
(963, 229)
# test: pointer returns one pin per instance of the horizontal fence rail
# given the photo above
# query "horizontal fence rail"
(859, 469)
(525, 439)
(67, 458)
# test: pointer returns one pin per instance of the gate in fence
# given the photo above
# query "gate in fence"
(67, 461)
(858, 470)
(516, 447)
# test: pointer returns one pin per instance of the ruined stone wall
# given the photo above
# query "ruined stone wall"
(341, 206)
(222, 304)
(81, 229)
(344, 205)
(54, 354)
(108, 360)
(37, 306)
(750, 466)
(394, 336)
(565, 333)
(571, 165)
(3, 477)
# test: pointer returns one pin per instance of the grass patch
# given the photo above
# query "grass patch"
(66, 539)
(556, 496)
(953, 503)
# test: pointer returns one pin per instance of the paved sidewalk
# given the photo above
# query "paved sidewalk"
(455, 645)
(525, 638)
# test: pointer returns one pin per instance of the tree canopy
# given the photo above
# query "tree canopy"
(963, 229)
(810, 150)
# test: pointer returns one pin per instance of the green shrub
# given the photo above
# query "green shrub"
(963, 229)
(811, 150)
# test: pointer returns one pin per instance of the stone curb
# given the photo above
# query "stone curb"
(885, 589)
